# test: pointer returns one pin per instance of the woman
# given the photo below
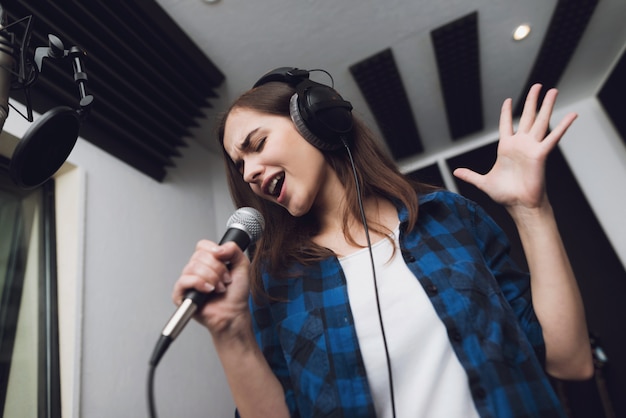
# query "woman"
(416, 310)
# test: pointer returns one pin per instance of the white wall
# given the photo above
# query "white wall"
(138, 235)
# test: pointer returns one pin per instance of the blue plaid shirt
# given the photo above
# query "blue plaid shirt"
(460, 256)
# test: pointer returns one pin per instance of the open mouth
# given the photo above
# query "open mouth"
(275, 185)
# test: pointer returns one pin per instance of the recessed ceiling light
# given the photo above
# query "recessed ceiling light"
(521, 32)
(210, 1)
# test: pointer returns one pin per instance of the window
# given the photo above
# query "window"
(29, 338)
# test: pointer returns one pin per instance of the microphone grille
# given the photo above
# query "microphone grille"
(248, 219)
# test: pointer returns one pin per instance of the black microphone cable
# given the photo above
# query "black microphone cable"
(369, 245)
(150, 387)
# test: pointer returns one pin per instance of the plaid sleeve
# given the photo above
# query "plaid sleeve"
(268, 341)
(514, 283)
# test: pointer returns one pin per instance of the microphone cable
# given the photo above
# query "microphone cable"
(369, 245)
(150, 387)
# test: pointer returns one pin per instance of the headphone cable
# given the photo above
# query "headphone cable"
(369, 245)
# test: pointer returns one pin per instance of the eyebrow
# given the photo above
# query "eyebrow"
(246, 142)
(245, 145)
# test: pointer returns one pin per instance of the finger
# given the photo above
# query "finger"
(205, 264)
(206, 252)
(206, 267)
(506, 119)
(557, 133)
(219, 257)
(224, 252)
(530, 109)
(206, 245)
(469, 176)
(542, 121)
(207, 259)
(186, 283)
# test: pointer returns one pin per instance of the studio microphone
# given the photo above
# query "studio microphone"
(244, 227)
(47, 143)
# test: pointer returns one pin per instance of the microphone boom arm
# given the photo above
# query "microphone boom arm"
(56, 50)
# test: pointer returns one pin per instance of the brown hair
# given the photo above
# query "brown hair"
(288, 239)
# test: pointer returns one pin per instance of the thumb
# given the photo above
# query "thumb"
(239, 267)
(468, 176)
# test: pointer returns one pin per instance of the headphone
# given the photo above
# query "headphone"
(319, 113)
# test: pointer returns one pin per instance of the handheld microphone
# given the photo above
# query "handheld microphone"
(244, 227)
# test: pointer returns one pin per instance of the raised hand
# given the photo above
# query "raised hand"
(517, 179)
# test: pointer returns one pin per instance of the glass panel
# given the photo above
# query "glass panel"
(19, 281)
(29, 364)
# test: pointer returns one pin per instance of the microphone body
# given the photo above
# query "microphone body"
(244, 228)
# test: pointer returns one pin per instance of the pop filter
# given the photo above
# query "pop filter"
(44, 147)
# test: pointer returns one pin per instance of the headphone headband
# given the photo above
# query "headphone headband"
(290, 75)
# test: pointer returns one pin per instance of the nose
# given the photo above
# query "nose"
(252, 171)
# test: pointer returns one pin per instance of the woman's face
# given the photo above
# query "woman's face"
(274, 159)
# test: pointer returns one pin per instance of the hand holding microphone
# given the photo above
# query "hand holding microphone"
(207, 269)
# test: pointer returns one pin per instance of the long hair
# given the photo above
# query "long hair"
(288, 239)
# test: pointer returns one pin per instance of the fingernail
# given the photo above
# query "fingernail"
(209, 287)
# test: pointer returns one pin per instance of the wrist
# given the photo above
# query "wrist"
(531, 216)
(237, 334)
(534, 222)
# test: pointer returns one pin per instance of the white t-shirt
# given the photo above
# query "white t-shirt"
(428, 379)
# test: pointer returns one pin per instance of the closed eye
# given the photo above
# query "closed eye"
(260, 144)
(247, 146)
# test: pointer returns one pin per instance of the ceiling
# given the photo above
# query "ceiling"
(425, 74)
(431, 54)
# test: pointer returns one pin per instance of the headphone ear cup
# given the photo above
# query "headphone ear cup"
(325, 113)
(302, 128)
(319, 113)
